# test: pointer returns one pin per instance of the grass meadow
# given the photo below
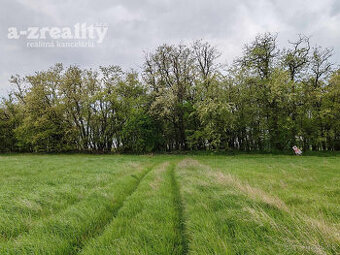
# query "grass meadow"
(169, 204)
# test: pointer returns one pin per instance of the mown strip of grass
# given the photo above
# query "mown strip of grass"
(148, 223)
(65, 233)
(226, 216)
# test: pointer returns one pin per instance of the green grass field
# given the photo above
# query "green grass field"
(168, 204)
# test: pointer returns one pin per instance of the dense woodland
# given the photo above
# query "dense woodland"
(183, 98)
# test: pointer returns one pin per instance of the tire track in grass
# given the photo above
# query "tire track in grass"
(79, 246)
(67, 233)
(177, 200)
(23, 211)
(149, 221)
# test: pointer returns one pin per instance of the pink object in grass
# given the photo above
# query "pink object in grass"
(297, 150)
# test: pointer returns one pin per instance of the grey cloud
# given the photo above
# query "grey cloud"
(136, 26)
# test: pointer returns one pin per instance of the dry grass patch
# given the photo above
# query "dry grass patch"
(254, 193)
(156, 182)
(189, 162)
(230, 180)
(329, 232)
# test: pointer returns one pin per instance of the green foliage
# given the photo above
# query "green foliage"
(43, 125)
(215, 115)
(140, 133)
(331, 111)
(269, 99)
(9, 120)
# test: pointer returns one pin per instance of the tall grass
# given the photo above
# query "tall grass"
(226, 215)
(65, 232)
(194, 204)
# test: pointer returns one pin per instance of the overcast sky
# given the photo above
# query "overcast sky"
(136, 26)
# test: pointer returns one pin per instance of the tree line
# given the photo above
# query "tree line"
(268, 99)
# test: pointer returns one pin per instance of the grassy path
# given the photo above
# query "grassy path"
(149, 222)
(120, 202)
